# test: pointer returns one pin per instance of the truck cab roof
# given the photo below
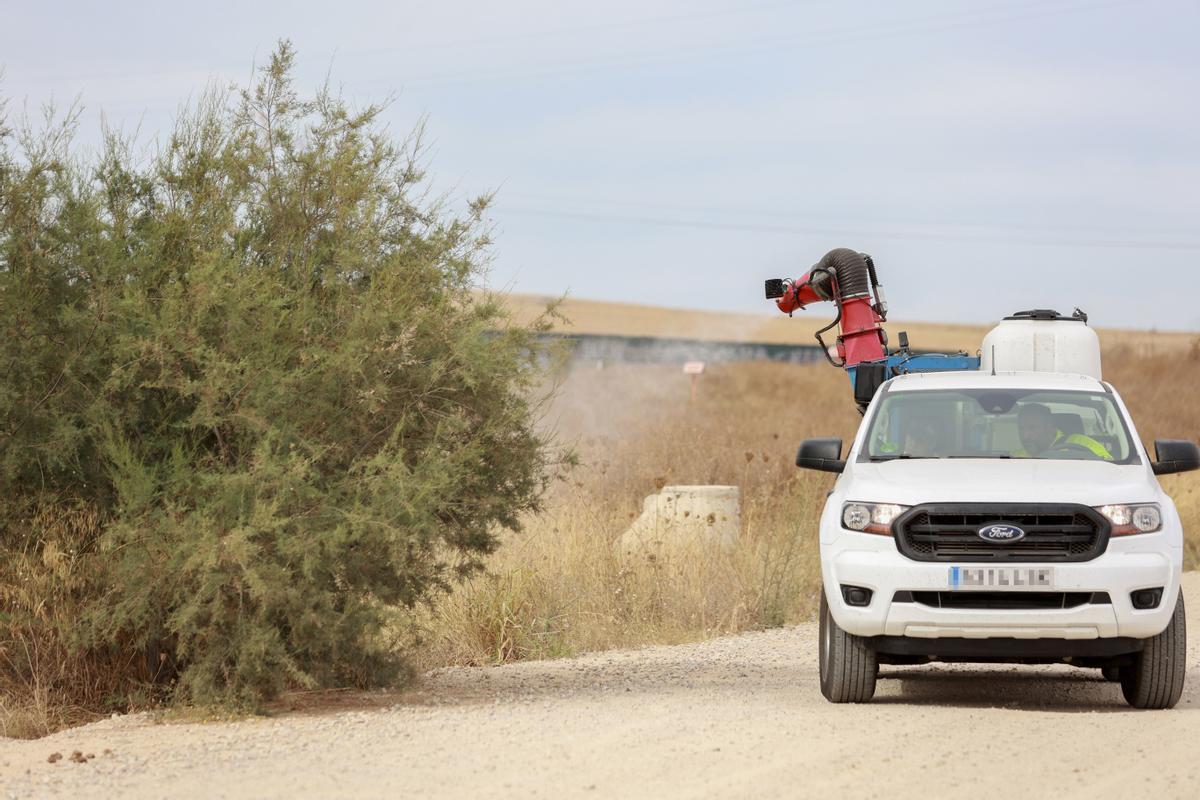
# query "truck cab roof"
(979, 379)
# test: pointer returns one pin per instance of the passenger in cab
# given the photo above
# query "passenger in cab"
(1039, 435)
(922, 439)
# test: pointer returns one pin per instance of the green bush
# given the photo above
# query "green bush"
(257, 365)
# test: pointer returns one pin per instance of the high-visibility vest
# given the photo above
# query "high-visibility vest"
(1075, 438)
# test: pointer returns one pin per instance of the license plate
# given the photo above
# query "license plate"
(1007, 578)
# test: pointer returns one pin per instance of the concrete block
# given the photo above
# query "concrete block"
(685, 516)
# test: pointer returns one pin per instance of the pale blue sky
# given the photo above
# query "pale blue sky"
(992, 156)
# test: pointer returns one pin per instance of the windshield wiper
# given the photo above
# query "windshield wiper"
(899, 455)
(997, 455)
(910, 455)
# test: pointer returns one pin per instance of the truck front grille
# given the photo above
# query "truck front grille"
(937, 532)
(1004, 601)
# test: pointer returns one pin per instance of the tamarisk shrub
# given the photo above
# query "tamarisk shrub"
(252, 402)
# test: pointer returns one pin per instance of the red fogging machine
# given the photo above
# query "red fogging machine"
(848, 279)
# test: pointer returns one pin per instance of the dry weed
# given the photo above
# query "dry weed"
(47, 681)
(560, 588)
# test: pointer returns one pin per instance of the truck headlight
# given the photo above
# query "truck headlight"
(871, 517)
(1130, 519)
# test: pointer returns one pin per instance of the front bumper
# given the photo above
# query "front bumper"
(873, 562)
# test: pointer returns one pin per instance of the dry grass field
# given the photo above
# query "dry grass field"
(560, 588)
(628, 319)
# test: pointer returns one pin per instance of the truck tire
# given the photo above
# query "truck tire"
(1155, 679)
(847, 665)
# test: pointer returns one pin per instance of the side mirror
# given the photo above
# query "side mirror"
(1175, 455)
(821, 454)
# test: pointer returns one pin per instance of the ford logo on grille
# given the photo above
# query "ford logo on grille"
(1001, 533)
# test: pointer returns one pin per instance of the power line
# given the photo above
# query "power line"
(599, 206)
(451, 44)
(1148, 244)
(572, 30)
(813, 39)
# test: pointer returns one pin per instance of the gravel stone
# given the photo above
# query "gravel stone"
(740, 716)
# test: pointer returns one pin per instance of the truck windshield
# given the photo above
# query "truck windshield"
(1007, 423)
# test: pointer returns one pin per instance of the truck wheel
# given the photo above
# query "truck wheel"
(848, 666)
(1155, 679)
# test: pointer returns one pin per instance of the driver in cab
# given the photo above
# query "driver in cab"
(1039, 435)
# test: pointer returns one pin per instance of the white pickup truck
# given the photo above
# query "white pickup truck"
(1002, 516)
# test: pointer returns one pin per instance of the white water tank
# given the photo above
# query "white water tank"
(1042, 341)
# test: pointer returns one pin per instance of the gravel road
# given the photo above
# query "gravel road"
(734, 717)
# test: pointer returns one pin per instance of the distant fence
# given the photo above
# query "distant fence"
(655, 350)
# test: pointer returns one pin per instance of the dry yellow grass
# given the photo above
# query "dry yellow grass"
(629, 319)
(1161, 392)
(49, 685)
(560, 589)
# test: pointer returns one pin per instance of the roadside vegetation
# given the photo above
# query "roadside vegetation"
(260, 430)
(1160, 390)
(252, 408)
(561, 588)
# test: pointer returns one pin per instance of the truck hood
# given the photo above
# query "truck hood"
(909, 482)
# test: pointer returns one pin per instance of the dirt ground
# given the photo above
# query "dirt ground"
(735, 717)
